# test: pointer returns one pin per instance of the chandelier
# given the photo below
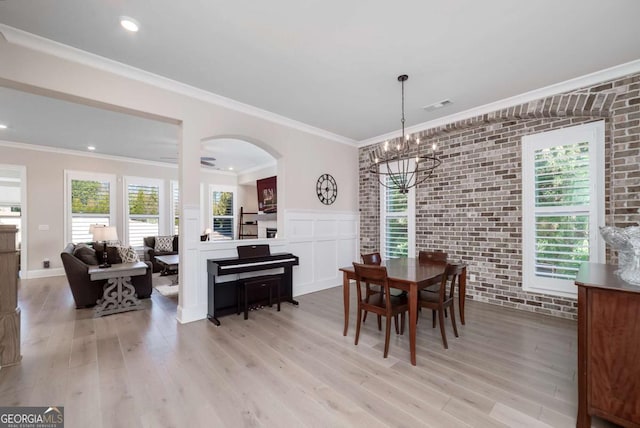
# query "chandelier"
(405, 163)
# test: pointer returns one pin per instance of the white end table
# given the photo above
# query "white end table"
(119, 294)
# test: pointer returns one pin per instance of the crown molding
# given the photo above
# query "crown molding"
(71, 152)
(557, 88)
(50, 47)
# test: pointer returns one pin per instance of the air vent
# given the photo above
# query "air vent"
(437, 105)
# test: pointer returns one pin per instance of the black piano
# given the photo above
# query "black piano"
(222, 296)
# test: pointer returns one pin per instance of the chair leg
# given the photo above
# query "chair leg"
(442, 332)
(433, 315)
(402, 320)
(379, 323)
(386, 337)
(395, 322)
(358, 324)
(453, 321)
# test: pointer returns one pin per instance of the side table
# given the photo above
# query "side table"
(119, 295)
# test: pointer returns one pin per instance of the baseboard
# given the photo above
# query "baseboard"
(194, 313)
(315, 286)
(43, 273)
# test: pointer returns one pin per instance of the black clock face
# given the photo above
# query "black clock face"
(327, 189)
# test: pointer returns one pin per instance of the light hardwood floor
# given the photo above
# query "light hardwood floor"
(287, 369)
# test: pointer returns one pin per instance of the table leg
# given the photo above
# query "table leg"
(345, 297)
(413, 318)
(462, 293)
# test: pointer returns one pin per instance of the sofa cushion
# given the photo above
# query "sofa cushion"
(86, 254)
(164, 244)
(128, 254)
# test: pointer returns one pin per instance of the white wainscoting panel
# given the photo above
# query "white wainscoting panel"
(323, 242)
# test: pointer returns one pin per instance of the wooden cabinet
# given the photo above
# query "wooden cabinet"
(608, 347)
(9, 311)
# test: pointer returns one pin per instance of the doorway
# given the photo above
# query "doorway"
(13, 206)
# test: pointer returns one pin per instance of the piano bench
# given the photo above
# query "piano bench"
(255, 283)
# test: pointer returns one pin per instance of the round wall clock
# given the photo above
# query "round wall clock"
(327, 189)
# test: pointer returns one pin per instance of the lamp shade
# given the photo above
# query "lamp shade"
(106, 233)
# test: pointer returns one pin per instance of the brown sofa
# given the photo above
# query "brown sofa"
(150, 253)
(85, 291)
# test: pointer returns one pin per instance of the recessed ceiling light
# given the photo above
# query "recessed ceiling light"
(129, 24)
(3, 126)
(230, 168)
(91, 148)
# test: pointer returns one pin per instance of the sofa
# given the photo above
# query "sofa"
(77, 260)
(151, 250)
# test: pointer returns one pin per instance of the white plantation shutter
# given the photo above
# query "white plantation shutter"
(175, 196)
(144, 212)
(90, 200)
(397, 223)
(223, 220)
(562, 205)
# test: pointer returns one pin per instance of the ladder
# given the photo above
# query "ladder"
(248, 225)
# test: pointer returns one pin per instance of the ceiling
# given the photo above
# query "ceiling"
(333, 64)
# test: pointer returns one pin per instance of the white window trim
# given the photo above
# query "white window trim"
(411, 221)
(70, 175)
(222, 188)
(163, 209)
(593, 133)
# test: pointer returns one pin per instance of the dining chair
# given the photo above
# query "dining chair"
(432, 257)
(372, 259)
(442, 298)
(381, 304)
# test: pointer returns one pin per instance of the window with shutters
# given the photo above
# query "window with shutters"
(222, 204)
(175, 206)
(90, 199)
(397, 222)
(563, 206)
(143, 208)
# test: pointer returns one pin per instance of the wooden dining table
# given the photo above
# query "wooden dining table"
(410, 275)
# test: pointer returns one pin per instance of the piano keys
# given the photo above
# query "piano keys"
(222, 294)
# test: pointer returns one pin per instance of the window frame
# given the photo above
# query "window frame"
(593, 133)
(223, 188)
(410, 215)
(162, 206)
(71, 175)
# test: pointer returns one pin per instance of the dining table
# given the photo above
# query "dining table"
(410, 275)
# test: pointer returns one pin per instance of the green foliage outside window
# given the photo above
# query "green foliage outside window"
(144, 201)
(89, 197)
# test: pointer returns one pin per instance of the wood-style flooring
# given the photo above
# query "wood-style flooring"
(288, 369)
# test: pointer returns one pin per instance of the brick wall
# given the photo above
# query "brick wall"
(472, 206)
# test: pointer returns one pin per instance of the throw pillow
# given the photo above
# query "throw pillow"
(128, 254)
(86, 254)
(164, 244)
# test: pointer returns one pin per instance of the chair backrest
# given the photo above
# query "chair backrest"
(372, 274)
(432, 257)
(371, 259)
(450, 277)
(246, 251)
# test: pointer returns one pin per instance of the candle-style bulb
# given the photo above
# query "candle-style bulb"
(434, 146)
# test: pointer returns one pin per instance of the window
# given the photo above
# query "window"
(144, 202)
(175, 206)
(563, 205)
(397, 222)
(90, 200)
(222, 212)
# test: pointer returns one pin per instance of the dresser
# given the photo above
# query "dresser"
(608, 347)
(9, 311)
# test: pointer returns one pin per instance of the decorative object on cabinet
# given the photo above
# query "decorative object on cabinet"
(9, 310)
(608, 351)
(627, 242)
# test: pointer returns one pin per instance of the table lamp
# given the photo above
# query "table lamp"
(104, 234)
